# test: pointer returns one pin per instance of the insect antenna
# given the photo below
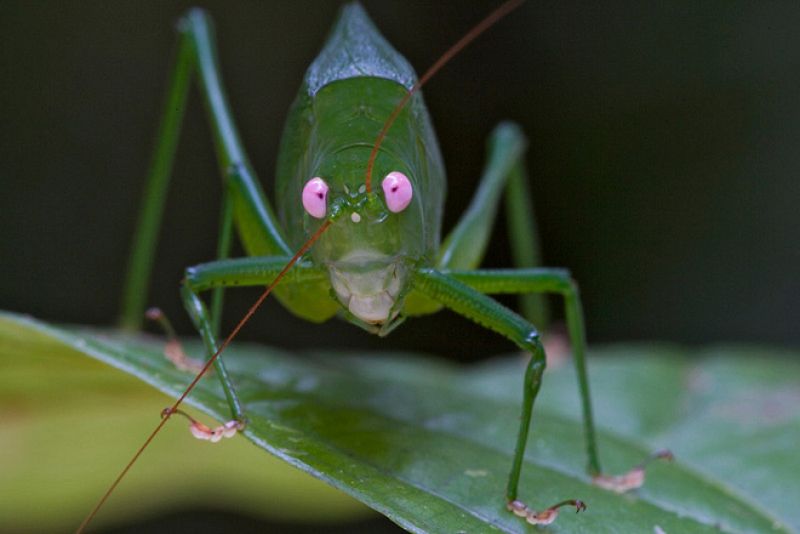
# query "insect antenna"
(491, 19)
(174, 408)
(495, 16)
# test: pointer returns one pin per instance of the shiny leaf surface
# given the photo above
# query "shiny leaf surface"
(429, 444)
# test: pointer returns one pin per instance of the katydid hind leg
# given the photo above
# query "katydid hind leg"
(244, 199)
(487, 312)
(465, 246)
(523, 235)
(145, 239)
(173, 349)
(224, 243)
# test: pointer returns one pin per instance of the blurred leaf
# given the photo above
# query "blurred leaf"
(70, 423)
(429, 444)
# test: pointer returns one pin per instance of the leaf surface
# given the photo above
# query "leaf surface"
(429, 444)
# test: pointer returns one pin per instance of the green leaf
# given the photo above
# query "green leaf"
(429, 444)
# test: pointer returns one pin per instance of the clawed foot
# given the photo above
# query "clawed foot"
(201, 431)
(632, 479)
(173, 350)
(545, 517)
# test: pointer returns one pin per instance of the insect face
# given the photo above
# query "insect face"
(366, 250)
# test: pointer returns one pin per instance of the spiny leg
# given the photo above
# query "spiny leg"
(175, 353)
(253, 271)
(559, 281)
(489, 313)
(238, 421)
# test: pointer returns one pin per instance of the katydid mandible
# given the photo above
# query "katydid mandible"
(345, 244)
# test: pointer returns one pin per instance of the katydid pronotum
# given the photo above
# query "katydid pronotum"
(338, 245)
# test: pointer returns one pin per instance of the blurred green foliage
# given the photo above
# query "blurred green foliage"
(71, 423)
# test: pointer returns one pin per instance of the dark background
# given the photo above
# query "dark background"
(663, 154)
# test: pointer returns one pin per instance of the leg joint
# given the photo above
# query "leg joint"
(532, 339)
(533, 344)
(190, 278)
(571, 288)
(537, 364)
(190, 18)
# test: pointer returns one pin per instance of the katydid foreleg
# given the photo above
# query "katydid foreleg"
(216, 276)
(547, 280)
(489, 313)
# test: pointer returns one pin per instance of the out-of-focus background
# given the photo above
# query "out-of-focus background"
(663, 155)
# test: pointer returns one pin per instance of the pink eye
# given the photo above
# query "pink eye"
(315, 197)
(397, 190)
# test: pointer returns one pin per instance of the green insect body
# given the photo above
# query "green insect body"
(374, 263)
(346, 96)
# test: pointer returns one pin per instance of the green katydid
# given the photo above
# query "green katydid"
(342, 245)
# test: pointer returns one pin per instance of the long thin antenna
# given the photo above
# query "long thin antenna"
(503, 10)
(491, 19)
(169, 411)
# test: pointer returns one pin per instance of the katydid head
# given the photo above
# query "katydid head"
(369, 248)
